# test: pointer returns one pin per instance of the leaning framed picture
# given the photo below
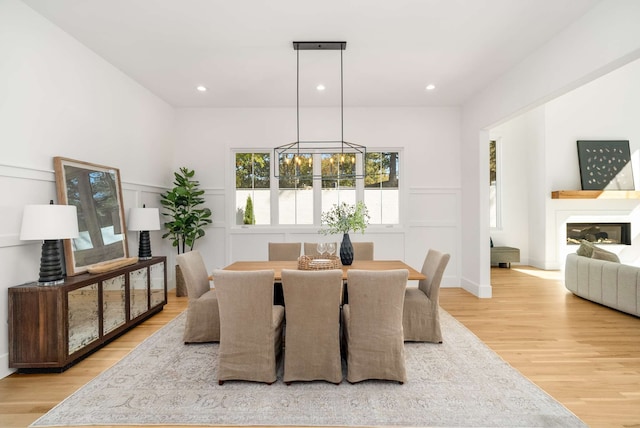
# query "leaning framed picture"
(605, 165)
(96, 192)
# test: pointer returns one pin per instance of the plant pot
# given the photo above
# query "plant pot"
(181, 287)
(346, 250)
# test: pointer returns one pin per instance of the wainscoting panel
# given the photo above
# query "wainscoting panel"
(433, 206)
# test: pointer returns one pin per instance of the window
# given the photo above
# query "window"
(335, 191)
(381, 191)
(253, 193)
(494, 193)
(295, 195)
(301, 201)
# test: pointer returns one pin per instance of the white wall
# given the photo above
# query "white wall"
(604, 39)
(58, 98)
(430, 174)
(605, 109)
(519, 142)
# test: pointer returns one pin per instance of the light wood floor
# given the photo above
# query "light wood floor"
(584, 355)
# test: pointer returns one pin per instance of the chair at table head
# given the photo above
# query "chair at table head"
(372, 325)
(284, 251)
(421, 317)
(203, 319)
(312, 301)
(311, 249)
(250, 326)
(362, 250)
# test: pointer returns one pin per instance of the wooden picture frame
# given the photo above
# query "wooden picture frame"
(605, 165)
(97, 193)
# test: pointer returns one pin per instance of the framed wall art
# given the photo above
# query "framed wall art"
(96, 192)
(605, 165)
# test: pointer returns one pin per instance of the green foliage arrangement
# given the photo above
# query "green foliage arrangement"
(249, 216)
(344, 218)
(182, 204)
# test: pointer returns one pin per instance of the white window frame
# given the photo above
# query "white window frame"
(317, 188)
(498, 226)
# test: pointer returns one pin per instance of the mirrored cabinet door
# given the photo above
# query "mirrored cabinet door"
(157, 284)
(114, 306)
(83, 317)
(138, 292)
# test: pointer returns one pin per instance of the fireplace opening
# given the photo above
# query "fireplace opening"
(599, 233)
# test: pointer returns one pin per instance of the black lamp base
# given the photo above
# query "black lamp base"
(50, 267)
(144, 249)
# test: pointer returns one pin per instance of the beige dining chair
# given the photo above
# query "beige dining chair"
(284, 251)
(372, 325)
(362, 250)
(250, 326)
(311, 249)
(421, 316)
(203, 319)
(312, 350)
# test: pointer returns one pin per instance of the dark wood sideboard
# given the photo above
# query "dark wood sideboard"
(52, 327)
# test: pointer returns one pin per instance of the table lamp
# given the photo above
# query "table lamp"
(143, 220)
(49, 223)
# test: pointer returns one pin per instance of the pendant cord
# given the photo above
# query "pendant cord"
(341, 105)
(298, 97)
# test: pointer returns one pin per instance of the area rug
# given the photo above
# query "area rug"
(459, 383)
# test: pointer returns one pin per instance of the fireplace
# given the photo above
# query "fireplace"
(599, 233)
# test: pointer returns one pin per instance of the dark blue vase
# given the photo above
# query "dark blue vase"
(346, 250)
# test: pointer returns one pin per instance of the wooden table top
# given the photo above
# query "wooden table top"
(277, 267)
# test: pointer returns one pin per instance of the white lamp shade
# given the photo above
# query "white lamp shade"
(144, 219)
(46, 222)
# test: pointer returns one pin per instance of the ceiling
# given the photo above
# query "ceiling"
(242, 50)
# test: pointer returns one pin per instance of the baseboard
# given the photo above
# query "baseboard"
(4, 366)
(482, 291)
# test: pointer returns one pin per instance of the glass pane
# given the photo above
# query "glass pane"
(381, 194)
(83, 317)
(336, 191)
(295, 195)
(138, 292)
(113, 304)
(253, 202)
(335, 165)
(157, 284)
(493, 186)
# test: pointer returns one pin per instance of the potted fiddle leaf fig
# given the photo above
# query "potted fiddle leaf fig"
(343, 218)
(186, 216)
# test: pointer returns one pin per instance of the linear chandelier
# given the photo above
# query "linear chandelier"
(344, 160)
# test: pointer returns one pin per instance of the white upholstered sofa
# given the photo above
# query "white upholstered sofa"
(609, 283)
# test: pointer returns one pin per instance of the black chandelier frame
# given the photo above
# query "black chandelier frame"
(296, 150)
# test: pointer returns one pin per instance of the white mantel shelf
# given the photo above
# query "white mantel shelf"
(595, 194)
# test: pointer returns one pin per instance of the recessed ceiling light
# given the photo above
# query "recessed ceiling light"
(201, 88)
(430, 87)
(320, 87)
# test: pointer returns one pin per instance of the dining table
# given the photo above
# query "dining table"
(278, 266)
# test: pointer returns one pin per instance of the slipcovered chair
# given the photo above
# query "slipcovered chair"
(282, 251)
(372, 325)
(203, 319)
(312, 350)
(279, 251)
(362, 250)
(421, 317)
(250, 326)
(311, 249)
